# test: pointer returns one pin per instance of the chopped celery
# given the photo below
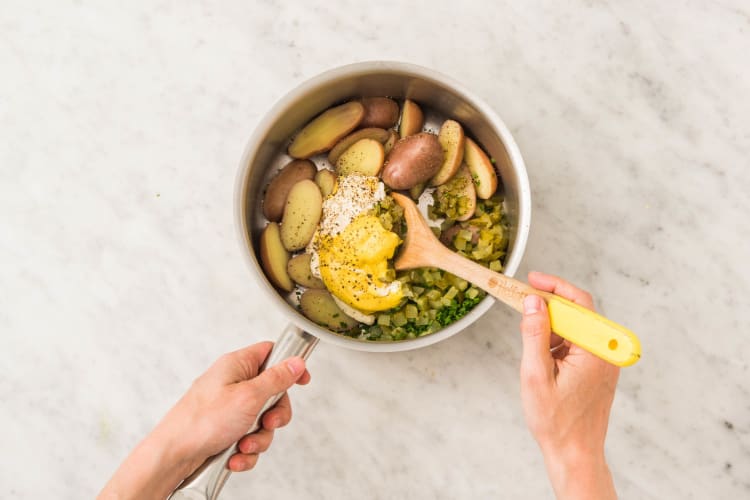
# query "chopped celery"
(411, 311)
(398, 319)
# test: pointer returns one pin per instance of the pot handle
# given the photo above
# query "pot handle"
(208, 479)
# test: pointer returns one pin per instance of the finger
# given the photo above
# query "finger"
(559, 286)
(239, 365)
(240, 462)
(536, 361)
(304, 379)
(279, 415)
(275, 380)
(257, 442)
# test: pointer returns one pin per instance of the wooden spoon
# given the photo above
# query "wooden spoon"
(595, 333)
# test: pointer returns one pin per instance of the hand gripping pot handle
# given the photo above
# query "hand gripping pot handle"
(208, 479)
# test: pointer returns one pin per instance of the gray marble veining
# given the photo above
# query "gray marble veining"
(121, 280)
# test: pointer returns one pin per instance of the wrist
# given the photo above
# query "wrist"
(580, 474)
(153, 470)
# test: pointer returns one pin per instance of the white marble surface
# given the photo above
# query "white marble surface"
(120, 277)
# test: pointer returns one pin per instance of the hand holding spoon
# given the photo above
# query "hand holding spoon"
(591, 331)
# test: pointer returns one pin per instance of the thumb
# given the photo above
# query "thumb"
(278, 378)
(536, 361)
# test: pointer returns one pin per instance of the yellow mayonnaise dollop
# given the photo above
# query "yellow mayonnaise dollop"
(354, 262)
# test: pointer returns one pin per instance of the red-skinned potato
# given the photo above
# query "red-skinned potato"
(412, 119)
(413, 160)
(458, 197)
(279, 187)
(451, 138)
(481, 168)
(380, 112)
(378, 134)
(324, 131)
(391, 141)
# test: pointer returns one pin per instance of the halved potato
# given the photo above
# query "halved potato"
(481, 168)
(274, 257)
(457, 197)
(326, 130)
(278, 188)
(299, 271)
(367, 319)
(412, 161)
(319, 307)
(417, 191)
(391, 141)
(326, 181)
(364, 156)
(379, 134)
(302, 212)
(380, 112)
(412, 119)
(451, 138)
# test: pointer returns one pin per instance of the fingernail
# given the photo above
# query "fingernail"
(295, 366)
(532, 304)
(275, 423)
(251, 447)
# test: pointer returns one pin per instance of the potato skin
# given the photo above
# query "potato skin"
(413, 160)
(302, 212)
(279, 187)
(380, 112)
(319, 307)
(274, 257)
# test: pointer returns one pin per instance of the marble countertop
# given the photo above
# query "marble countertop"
(121, 279)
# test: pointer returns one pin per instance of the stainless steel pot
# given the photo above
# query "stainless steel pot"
(441, 96)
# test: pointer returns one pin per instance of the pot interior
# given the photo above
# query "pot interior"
(440, 99)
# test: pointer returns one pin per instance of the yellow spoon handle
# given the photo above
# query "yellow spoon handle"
(593, 332)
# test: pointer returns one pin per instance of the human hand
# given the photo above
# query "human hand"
(217, 410)
(567, 395)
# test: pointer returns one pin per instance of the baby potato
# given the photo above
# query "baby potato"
(481, 168)
(326, 181)
(299, 270)
(391, 141)
(451, 138)
(326, 130)
(278, 188)
(379, 134)
(413, 160)
(274, 257)
(416, 191)
(302, 212)
(412, 119)
(364, 156)
(380, 112)
(319, 307)
(457, 197)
